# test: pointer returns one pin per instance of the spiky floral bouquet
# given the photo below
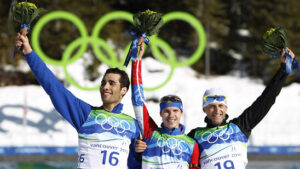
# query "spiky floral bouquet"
(275, 39)
(145, 24)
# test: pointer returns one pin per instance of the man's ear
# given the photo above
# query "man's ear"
(124, 91)
(226, 109)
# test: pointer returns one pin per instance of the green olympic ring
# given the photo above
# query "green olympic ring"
(112, 60)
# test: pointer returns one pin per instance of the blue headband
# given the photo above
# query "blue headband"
(164, 105)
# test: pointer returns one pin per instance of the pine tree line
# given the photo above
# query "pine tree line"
(234, 31)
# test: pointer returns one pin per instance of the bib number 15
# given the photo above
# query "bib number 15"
(227, 165)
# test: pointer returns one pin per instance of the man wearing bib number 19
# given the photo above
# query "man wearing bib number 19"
(167, 146)
(106, 136)
(223, 145)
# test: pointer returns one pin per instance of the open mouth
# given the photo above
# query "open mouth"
(171, 121)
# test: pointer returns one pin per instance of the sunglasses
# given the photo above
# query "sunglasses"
(171, 98)
(212, 98)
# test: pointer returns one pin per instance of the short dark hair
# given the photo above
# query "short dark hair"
(124, 79)
(170, 98)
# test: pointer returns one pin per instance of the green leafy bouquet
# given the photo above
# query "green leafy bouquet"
(148, 22)
(274, 40)
(22, 14)
(145, 24)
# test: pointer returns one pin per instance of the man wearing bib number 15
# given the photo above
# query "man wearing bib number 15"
(106, 136)
(167, 147)
(223, 145)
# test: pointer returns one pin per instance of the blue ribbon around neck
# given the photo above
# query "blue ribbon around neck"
(132, 54)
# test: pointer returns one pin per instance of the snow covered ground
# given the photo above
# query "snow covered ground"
(45, 127)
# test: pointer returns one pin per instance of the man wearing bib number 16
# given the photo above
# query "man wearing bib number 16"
(223, 145)
(168, 146)
(106, 136)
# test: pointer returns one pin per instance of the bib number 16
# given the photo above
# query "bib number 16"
(227, 165)
(112, 159)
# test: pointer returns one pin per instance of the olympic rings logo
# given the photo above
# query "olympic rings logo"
(120, 126)
(177, 147)
(112, 61)
(212, 137)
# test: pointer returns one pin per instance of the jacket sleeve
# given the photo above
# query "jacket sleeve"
(134, 158)
(146, 123)
(74, 110)
(195, 157)
(260, 107)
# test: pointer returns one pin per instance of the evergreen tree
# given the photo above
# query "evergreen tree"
(214, 17)
(222, 20)
(264, 15)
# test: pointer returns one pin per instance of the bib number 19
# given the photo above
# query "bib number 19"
(112, 159)
(227, 165)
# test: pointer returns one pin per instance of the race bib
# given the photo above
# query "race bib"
(103, 155)
(231, 157)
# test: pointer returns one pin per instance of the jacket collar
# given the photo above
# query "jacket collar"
(117, 109)
(211, 125)
(174, 131)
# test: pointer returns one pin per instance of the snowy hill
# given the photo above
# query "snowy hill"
(44, 126)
